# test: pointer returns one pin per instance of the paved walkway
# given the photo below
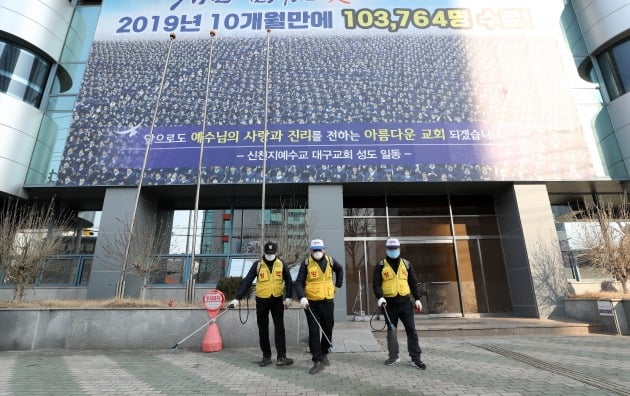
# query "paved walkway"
(512, 365)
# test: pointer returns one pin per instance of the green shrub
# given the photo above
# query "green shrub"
(229, 286)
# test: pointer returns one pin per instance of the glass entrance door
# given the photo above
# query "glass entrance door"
(434, 265)
(432, 261)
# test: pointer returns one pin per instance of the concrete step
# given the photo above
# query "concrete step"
(476, 327)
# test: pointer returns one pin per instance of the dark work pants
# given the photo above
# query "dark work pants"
(324, 312)
(276, 307)
(404, 312)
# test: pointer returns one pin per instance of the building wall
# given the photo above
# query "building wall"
(118, 210)
(601, 21)
(602, 24)
(325, 205)
(42, 24)
(543, 249)
(18, 128)
(515, 253)
(523, 210)
(619, 113)
(531, 250)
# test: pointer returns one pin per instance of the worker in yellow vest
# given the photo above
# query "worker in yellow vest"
(273, 278)
(315, 289)
(394, 282)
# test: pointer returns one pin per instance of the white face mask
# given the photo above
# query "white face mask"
(318, 255)
(270, 257)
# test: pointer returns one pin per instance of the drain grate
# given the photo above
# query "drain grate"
(576, 375)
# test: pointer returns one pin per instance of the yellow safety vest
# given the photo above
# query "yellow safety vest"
(270, 284)
(319, 285)
(395, 283)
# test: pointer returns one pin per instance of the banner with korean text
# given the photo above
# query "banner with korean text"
(370, 90)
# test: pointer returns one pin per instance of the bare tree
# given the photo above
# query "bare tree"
(29, 234)
(358, 223)
(604, 237)
(148, 249)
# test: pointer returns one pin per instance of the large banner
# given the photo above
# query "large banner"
(350, 91)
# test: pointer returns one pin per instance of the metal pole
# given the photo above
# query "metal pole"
(365, 267)
(190, 286)
(120, 287)
(266, 133)
(320, 327)
(360, 297)
(199, 329)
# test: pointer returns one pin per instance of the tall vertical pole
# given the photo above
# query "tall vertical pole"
(190, 285)
(266, 135)
(120, 287)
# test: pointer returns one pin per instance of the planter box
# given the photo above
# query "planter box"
(587, 310)
(132, 328)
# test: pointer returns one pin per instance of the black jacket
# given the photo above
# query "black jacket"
(300, 281)
(377, 281)
(253, 273)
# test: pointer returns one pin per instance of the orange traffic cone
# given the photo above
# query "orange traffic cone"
(212, 341)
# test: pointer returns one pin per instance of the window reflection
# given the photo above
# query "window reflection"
(615, 66)
(23, 73)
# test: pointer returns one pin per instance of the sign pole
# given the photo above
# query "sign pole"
(266, 134)
(120, 287)
(190, 284)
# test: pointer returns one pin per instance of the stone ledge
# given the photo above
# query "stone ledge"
(155, 328)
(129, 328)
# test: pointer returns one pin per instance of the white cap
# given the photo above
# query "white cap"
(317, 244)
(392, 243)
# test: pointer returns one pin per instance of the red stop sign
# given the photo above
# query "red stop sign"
(213, 301)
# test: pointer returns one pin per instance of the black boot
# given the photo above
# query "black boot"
(284, 361)
(317, 367)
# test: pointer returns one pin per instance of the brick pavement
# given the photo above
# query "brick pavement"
(456, 366)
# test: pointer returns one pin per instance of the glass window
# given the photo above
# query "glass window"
(621, 54)
(23, 74)
(615, 66)
(168, 271)
(426, 226)
(210, 269)
(365, 226)
(475, 225)
(496, 278)
(434, 265)
(246, 232)
(471, 277)
(423, 205)
(85, 272)
(580, 237)
(364, 206)
(53, 124)
(606, 64)
(61, 102)
(240, 266)
(359, 212)
(79, 40)
(472, 205)
(59, 271)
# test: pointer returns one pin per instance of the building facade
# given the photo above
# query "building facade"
(466, 130)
